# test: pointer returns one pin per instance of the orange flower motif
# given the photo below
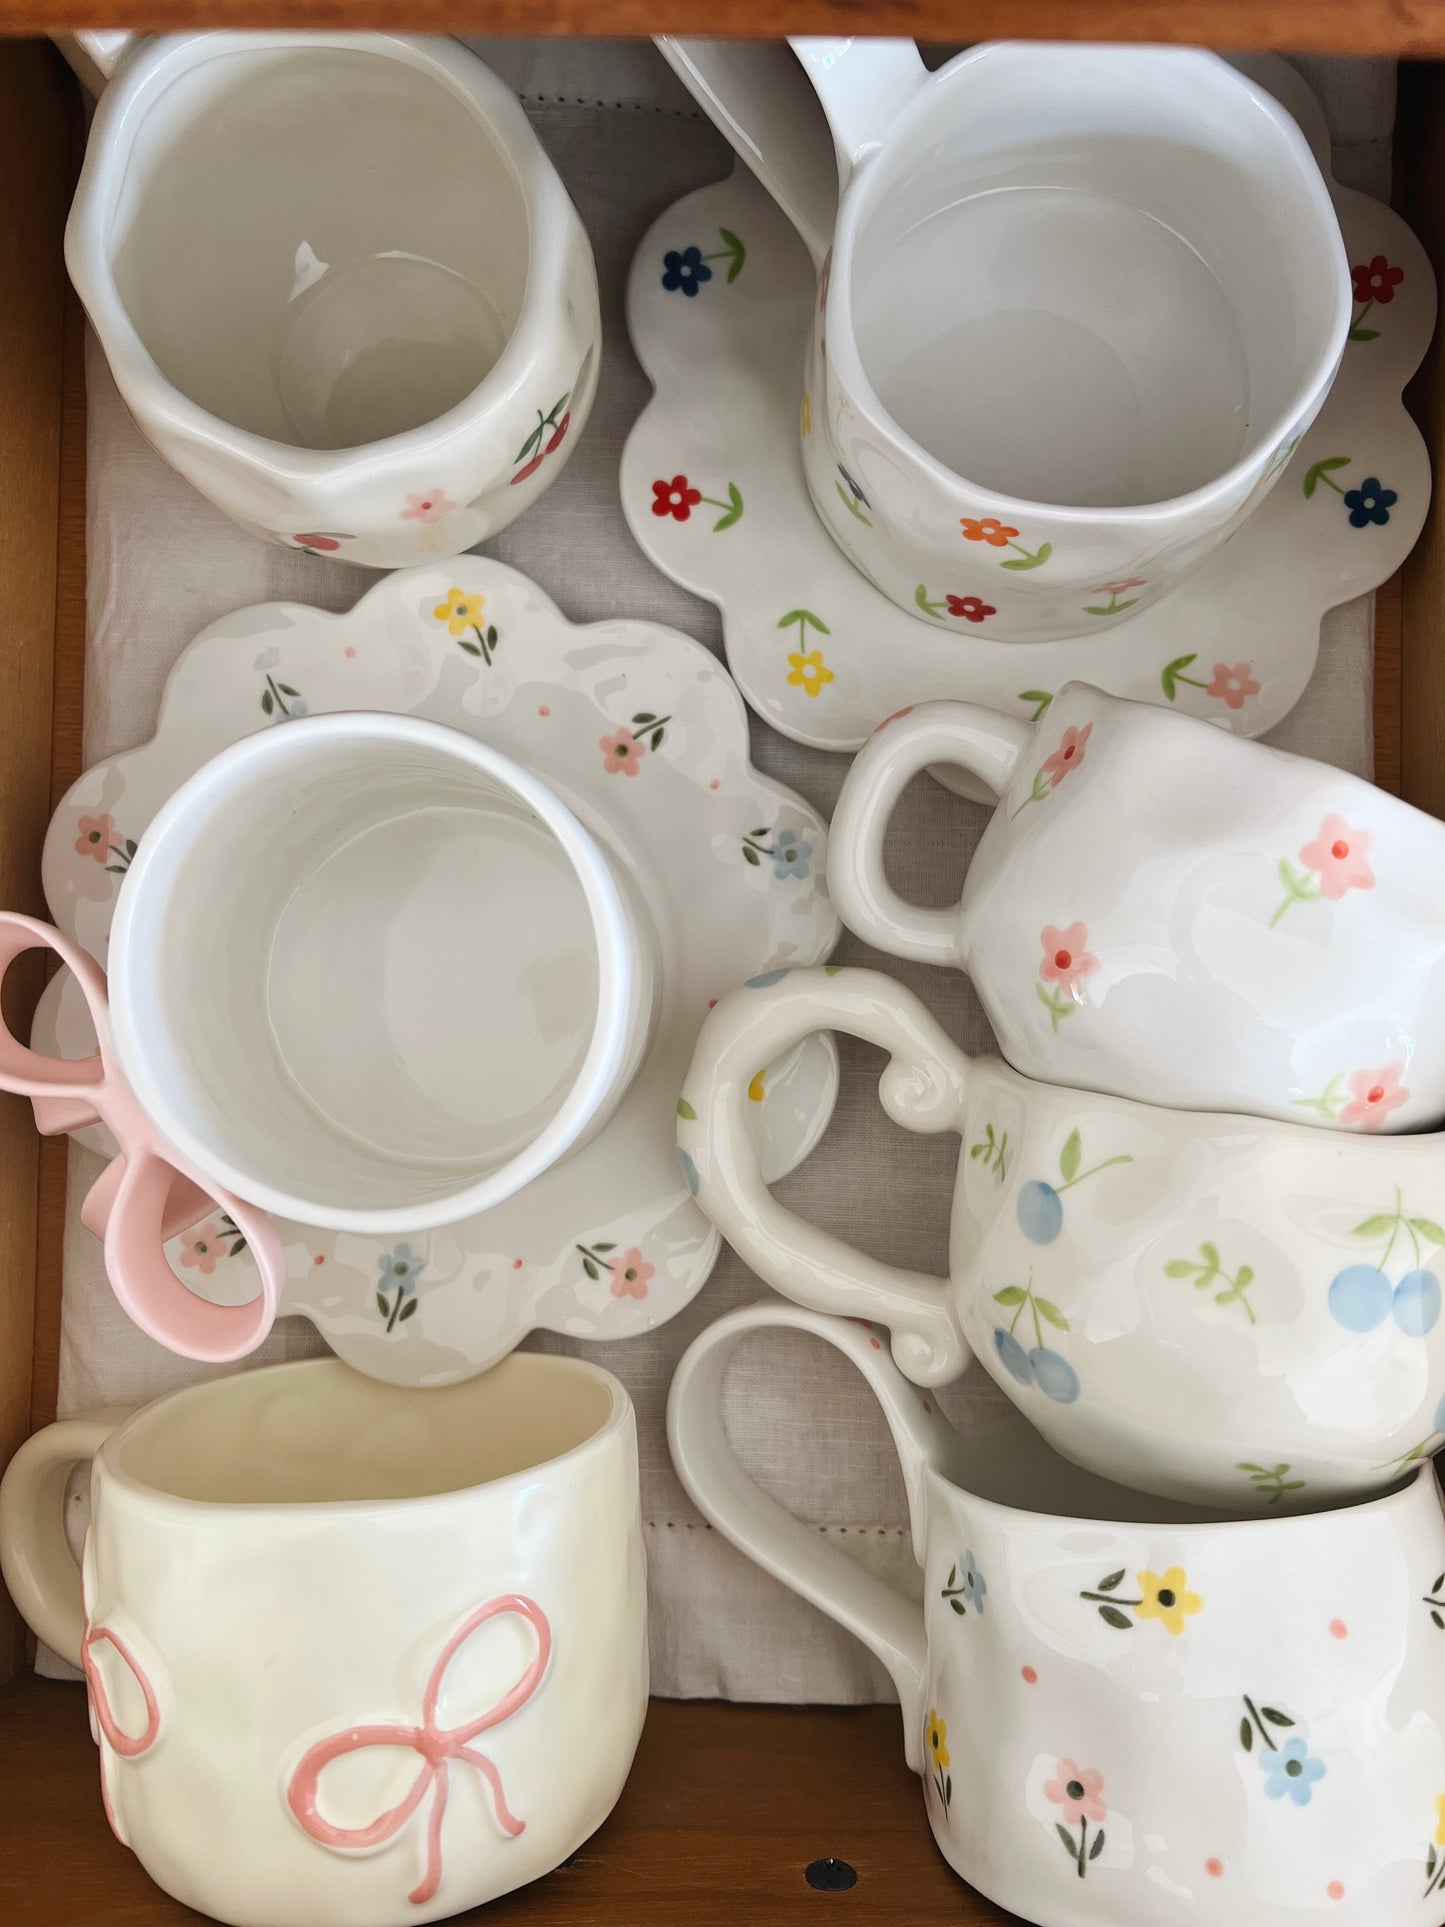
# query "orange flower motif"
(987, 529)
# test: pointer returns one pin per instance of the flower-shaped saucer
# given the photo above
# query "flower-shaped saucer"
(720, 301)
(642, 733)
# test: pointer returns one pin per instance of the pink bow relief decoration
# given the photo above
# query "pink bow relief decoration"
(124, 1744)
(438, 1747)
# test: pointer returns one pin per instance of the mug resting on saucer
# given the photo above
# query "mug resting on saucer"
(1220, 1309)
(396, 1638)
(1127, 1713)
(340, 285)
(1163, 910)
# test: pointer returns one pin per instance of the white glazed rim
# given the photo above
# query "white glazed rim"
(88, 253)
(842, 349)
(134, 1011)
(619, 1414)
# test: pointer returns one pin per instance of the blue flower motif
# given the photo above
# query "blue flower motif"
(974, 1584)
(400, 1268)
(688, 1167)
(790, 854)
(853, 488)
(1369, 503)
(296, 708)
(763, 979)
(686, 270)
(1291, 1773)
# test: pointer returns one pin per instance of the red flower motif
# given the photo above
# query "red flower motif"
(970, 608)
(1377, 282)
(675, 498)
(1232, 685)
(1068, 755)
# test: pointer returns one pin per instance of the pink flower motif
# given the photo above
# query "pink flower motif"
(94, 837)
(1068, 755)
(430, 507)
(1077, 1791)
(1232, 685)
(201, 1249)
(1342, 858)
(1066, 956)
(1118, 588)
(630, 1274)
(1373, 1095)
(623, 753)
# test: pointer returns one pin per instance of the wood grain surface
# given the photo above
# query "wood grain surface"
(726, 1809)
(1325, 26)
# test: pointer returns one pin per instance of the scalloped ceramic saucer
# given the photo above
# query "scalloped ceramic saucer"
(643, 735)
(719, 305)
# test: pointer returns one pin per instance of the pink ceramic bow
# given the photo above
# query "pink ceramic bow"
(145, 1195)
(127, 1747)
(437, 1745)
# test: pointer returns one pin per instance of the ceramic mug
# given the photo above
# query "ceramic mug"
(339, 284)
(355, 1652)
(1081, 304)
(1222, 1310)
(1169, 912)
(370, 974)
(1127, 1713)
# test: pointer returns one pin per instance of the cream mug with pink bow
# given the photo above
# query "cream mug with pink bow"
(356, 1653)
(1165, 911)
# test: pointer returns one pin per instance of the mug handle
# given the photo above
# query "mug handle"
(982, 741)
(921, 1088)
(890, 1624)
(36, 1562)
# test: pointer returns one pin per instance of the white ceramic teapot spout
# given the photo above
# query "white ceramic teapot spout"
(803, 142)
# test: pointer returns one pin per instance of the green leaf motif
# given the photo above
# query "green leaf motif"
(590, 1269)
(382, 1306)
(1113, 1582)
(1364, 334)
(737, 250)
(1246, 1736)
(1377, 1227)
(1428, 1228)
(1069, 1157)
(1034, 561)
(958, 1607)
(267, 701)
(407, 1309)
(1039, 698)
(1098, 1846)
(604, 1244)
(684, 1109)
(1011, 1295)
(805, 620)
(1179, 1268)
(1071, 1846)
(952, 1575)
(1113, 1617)
(1318, 469)
(1051, 1314)
(1275, 1717)
(734, 512)
(750, 855)
(1170, 674)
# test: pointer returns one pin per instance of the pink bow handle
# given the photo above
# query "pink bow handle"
(70, 1089)
(187, 1204)
(137, 1222)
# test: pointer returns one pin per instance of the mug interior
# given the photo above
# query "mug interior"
(324, 246)
(317, 1433)
(355, 968)
(1095, 278)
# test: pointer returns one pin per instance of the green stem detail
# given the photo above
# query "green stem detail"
(1299, 886)
(1040, 790)
(1259, 1724)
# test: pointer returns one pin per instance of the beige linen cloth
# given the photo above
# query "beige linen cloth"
(162, 564)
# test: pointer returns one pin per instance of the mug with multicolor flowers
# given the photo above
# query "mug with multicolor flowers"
(1169, 912)
(1127, 1712)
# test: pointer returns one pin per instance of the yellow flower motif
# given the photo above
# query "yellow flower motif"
(1440, 1820)
(809, 672)
(1167, 1598)
(807, 413)
(756, 1090)
(460, 612)
(938, 1739)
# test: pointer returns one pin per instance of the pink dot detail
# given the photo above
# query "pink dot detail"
(516, 1264)
(319, 1259)
(875, 1344)
(1336, 1890)
(350, 652)
(714, 784)
(712, 1003)
(1338, 1629)
(544, 710)
(928, 1408)
(1214, 1868)
(1030, 1677)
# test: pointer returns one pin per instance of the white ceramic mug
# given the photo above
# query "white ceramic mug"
(1163, 910)
(1127, 1713)
(370, 974)
(339, 284)
(1081, 304)
(355, 1653)
(1223, 1310)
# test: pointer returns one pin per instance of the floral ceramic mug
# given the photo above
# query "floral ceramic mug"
(1127, 1713)
(356, 1653)
(1167, 911)
(341, 287)
(1077, 310)
(1223, 1310)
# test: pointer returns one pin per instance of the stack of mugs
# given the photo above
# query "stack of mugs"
(1181, 1633)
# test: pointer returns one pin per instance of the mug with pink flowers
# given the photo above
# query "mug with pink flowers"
(1165, 911)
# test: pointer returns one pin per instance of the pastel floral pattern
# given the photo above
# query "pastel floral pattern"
(1079, 1792)
(788, 852)
(1114, 590)
(98, 838)
(936, 1734)
(202, 1249)
(1370, 503)
(1057, 765)
(1231, 683)
(999, 535)
(1336, 860)
(398, 1272)
(631, 1274)
(678, 498)
(1164, 1597)
(809, 672)
(621, 753)
(281, 702)
(462, 614)
(1373, 1095)
(965, 1586)
(1067, 961)
(430, 507)
(1291, 1773)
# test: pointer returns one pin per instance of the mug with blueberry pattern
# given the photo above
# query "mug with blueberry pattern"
(1224, 1310)
(1128, 1712)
